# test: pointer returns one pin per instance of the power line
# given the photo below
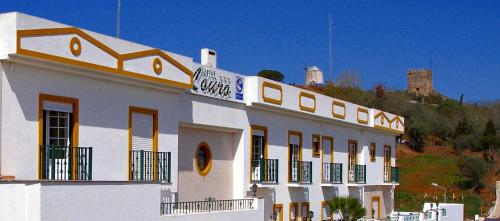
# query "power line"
(118, 21)
(330, 48)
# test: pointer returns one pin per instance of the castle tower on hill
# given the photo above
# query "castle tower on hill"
(420, 82)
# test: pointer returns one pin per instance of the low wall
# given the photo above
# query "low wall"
(244, 215)
(79, 201)
(98, 201)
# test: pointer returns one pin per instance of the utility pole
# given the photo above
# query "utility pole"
(118, 21)
(330, 48)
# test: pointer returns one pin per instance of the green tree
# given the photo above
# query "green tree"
(472, 172)
(349, 208)
(490, 144)
(271, 74)
(417, 134)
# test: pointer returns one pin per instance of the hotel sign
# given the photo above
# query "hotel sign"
(217, 83)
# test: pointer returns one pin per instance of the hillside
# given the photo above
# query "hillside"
(437, 164)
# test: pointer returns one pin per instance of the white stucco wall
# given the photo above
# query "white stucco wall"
(218, 182)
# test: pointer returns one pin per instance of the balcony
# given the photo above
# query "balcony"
(149, 166)
(332, 173)
(357, 174)
(264, 171)
(65, 163)
(207, 206)
(391, 174)
(300, 172)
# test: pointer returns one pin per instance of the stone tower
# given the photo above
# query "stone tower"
(420, 82)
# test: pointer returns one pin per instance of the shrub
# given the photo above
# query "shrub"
(271, 74)
(349, 208)
(472, 172)
(417, 133)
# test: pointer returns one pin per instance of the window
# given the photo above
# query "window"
(373, 152)
(304, 210)
(58, 132)
(325, 211)
(316, 145)
(203, 159)
(258, 151)
(143, 143)
(387, 163)
(293, 211)
(294, 155)
(352, 158)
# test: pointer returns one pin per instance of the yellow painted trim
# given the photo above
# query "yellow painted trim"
(323, 204)
(158, 52)
(157, 66)
(207, 169)
(318, 154)
(290, 133)
(363, 110)
(308, 95)
(339, 104)
(74, 129)
(388, 129)
(78, 50)
(383, 117)
(373, 157)
(302, 205)
(376, 198)
(141, 110)
(120, 58)
(257, 127)
(280, 207)
(296, 207)
(274, 86)
(398, 121)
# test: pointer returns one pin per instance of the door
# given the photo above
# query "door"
(375, 207)
(258, 145)
(294, 157)
(277, 212)
(58, 140)
(387, 163)
(143, 134)
(352, 159)
(327, 159)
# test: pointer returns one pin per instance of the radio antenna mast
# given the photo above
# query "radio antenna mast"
(118, 21)
(330, 48)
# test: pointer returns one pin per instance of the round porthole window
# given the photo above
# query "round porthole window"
(203, 159)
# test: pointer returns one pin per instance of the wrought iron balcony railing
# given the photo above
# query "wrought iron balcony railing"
(206, 206)
(332, 173)
(65, 163)
(357, 174)
(149, 165)
(300, 172)
(391, 174)
(264, 171)
(395, 174)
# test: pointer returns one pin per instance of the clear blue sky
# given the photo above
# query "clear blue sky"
(379, 39)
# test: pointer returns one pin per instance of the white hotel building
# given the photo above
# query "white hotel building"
(99, 128)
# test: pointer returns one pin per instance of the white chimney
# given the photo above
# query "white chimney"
(208, 58)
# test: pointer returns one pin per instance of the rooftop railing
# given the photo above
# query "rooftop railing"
(65, 163)
(206, 206)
